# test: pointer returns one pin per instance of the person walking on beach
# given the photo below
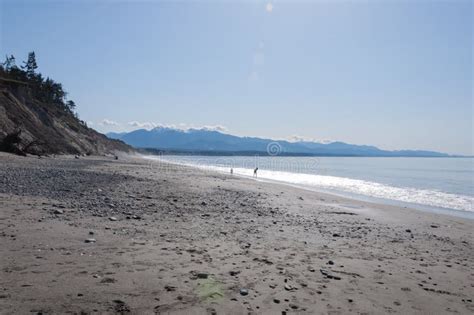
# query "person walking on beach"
(255, 172)
(231, 171)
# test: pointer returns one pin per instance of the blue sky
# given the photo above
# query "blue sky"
(395, 74)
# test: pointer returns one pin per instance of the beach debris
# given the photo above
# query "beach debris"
(198, 275)
(244, 291)
(108, 280)
(328, 275)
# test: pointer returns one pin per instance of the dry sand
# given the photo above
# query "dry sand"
(169, 239)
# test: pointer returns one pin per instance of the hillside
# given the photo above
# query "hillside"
(205, 141)
(35, 118)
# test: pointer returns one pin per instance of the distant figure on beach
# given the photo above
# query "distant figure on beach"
(255, 172)
(231, 171)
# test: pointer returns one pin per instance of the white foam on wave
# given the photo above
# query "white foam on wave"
(424, 197)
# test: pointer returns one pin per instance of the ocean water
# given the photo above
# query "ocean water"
(435, 184)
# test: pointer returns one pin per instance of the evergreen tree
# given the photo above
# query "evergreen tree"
(71, 105)
(9, 63)
(30, 65)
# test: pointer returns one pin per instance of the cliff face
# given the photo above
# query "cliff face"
(28, 125)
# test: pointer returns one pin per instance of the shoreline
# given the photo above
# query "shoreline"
(95, 235)
(465, 214)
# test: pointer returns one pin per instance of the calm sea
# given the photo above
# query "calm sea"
(435, 184)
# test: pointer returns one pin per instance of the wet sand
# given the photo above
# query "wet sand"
(96, 235)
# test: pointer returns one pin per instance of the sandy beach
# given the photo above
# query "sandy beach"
(129, 236)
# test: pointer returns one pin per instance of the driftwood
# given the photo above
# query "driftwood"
(12, 144)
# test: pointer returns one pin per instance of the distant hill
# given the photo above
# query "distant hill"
(205, 141)
(36, 118)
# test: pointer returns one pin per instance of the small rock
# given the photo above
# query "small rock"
(202, 275)
(90, 240)
(244, 292)
(293, 306)
(330, 262)
(408, 230)
(58, 211)
(113, 219)
(277, 301)
(289, 287)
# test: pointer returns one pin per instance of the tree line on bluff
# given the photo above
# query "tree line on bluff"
(41, 89)
(45, 90)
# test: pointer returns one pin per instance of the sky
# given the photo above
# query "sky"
(395, 74)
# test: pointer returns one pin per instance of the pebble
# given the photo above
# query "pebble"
(293, 306)
(277, 301)
(58, 211)
(244, 292)
(90, 240)
(113, 219)
(289, 287)
(202, 275)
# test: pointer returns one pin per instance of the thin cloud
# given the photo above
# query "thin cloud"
(297, 138)
(215, 128)
(108, 122)
(269, 7)
(144, 125)
(180, 126)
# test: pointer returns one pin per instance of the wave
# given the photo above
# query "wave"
(425, 197)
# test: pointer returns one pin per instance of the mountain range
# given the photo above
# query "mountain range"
(205, 141)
